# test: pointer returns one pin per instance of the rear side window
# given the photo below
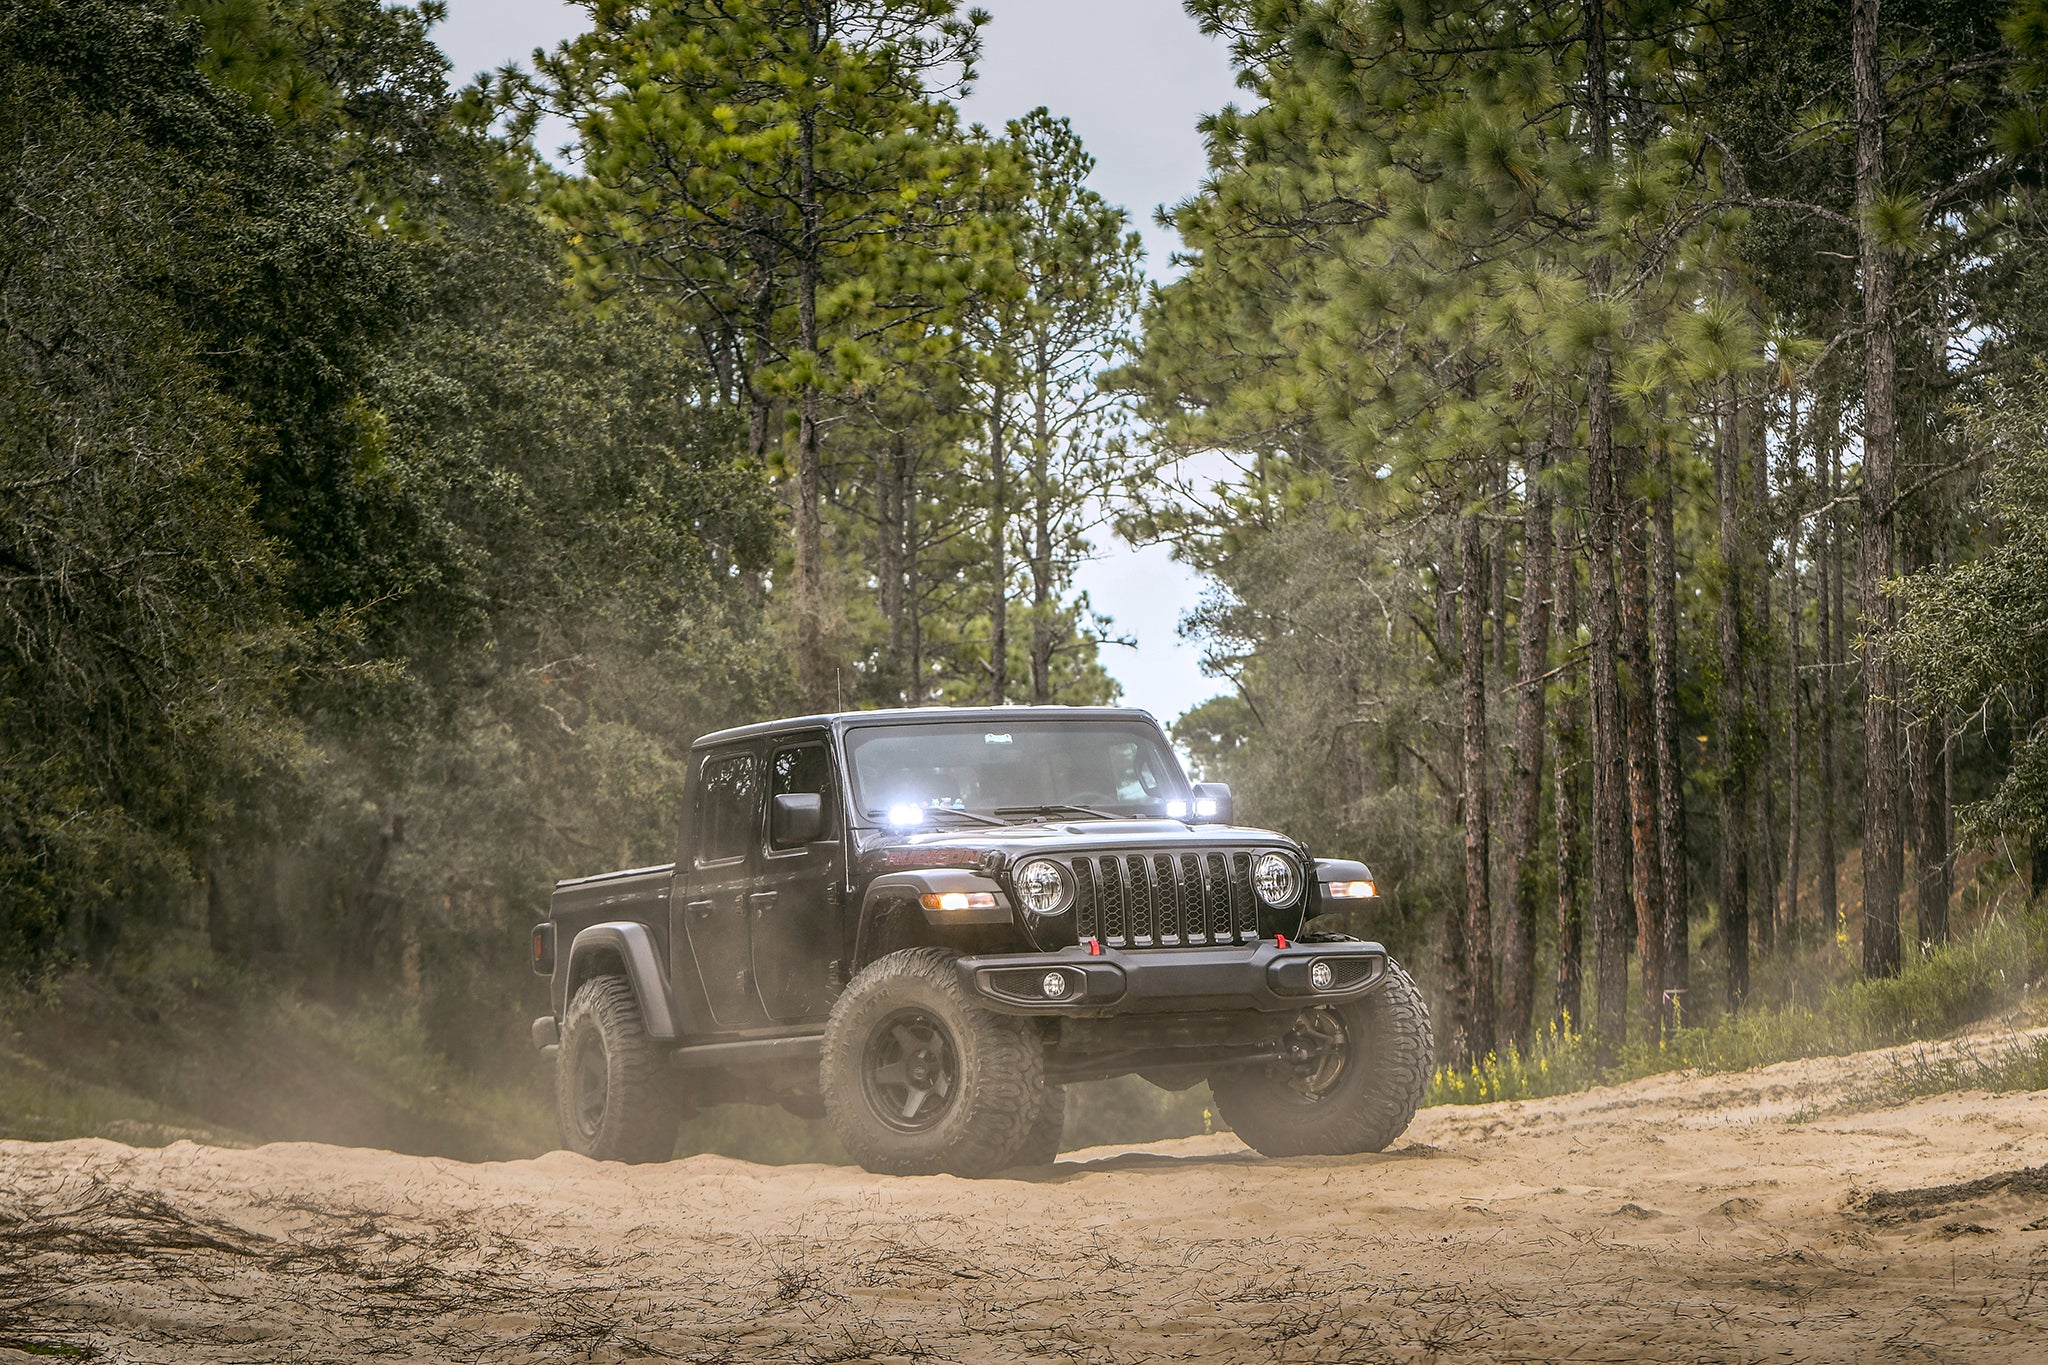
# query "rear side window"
(728, 807)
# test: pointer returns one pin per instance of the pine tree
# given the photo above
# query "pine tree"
(782, 167)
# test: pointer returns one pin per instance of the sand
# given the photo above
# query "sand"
(1761, 1216)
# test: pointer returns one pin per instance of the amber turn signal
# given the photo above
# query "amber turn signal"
(959, 900)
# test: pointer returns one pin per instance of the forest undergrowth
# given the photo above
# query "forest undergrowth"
(1994, 972)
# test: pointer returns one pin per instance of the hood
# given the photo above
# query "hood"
(992, 846)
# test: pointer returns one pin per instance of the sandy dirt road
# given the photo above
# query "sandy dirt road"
(1765, 1216)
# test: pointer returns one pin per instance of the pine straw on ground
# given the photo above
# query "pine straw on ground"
(1732, 1217)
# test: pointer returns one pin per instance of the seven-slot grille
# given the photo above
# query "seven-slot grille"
(1165, 900)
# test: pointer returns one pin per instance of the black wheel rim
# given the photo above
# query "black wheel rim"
(911, 1071)
(1317, 1053)
(590, 1084)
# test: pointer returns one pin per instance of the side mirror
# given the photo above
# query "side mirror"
(1213, 804)
(798, 819)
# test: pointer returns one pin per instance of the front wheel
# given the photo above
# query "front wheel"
(920, 1080)
(614, 1097)
(1042, 1146)
(1353, 1075)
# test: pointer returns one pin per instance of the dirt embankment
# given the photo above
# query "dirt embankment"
(1740, 1218)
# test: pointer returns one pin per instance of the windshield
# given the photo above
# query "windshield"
(1015, 768)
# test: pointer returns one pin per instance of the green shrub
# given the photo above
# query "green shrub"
(1954, 986)
(1559, 1061)
(2018, 1063)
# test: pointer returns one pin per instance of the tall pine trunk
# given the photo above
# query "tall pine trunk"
(1497, 574)
(998, 552)
(1611, 910)
(1664, 709)
(1479, 974)
(1763, 793)
(1828, 564)
(1568, 769)
(1043, 586)
(913, 585)
(1454, 601)
(1732, 723)
(1793, 754)
(1525, 793)
(1647, 876)
(889, 565)
(814, 665)
(1883, 841)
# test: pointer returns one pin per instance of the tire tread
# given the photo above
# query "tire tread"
(641, 1109)
(1007, 1096)
(1400, 1067)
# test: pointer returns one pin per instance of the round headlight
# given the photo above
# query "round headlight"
(1042, 887)
(1275, 879)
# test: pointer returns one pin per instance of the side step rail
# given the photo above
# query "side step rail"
(806, 1047)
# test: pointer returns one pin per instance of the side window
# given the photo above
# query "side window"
(727, 807)
(802, 769)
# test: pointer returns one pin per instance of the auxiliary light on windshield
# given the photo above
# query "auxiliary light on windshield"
(1202, 808)
(906, 816)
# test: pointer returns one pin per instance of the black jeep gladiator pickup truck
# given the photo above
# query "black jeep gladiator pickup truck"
(926, 923)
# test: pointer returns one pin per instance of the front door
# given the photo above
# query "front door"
(720, 852)
(795, 916)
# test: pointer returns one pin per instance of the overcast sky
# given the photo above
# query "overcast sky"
(1133, 76)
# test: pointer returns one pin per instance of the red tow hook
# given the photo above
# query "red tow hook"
(1279, 940)
(1094, 947)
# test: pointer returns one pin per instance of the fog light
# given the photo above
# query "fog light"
(1321, 977)
(1054, 985)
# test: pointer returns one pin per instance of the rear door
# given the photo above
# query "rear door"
(721, 852)
(795, 912)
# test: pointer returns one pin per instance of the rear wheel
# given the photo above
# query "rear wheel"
(920, 1080)
(1351, 1081)
(614, 1097)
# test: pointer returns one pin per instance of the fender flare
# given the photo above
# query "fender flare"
(635, 948)
(906, 889)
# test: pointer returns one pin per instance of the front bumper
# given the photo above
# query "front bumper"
(1255, 976)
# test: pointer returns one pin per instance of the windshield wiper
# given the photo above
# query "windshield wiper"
(1054, 808)
(973, 815)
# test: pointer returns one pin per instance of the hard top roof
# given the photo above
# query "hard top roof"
(837, 721)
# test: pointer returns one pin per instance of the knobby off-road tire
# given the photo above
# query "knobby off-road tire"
(1042, 1145)
(615, 1097)
(1362, 1106)
(920, 1080)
